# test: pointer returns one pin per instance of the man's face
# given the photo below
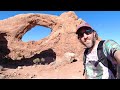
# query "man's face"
(87, 37)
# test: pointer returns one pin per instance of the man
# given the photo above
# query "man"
(89, 38)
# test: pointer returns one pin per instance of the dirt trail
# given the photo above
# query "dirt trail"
(64, 71)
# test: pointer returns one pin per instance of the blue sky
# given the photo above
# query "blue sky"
(106, 23)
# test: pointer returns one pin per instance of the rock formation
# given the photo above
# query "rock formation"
(61, 41)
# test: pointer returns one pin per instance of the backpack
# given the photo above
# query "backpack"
(101, 58)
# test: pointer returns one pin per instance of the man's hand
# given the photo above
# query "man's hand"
(117, 56)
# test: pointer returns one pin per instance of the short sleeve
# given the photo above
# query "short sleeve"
(110, 47)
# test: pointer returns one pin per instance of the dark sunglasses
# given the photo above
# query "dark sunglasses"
(87, 32)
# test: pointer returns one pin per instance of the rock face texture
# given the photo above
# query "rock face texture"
(61, 45)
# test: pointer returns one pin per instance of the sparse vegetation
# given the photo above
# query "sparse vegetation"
(36, 61)
(39, 60)
(42, 60)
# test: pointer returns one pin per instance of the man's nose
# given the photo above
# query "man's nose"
(85, 35)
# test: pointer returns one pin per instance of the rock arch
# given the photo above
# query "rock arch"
(61, 40)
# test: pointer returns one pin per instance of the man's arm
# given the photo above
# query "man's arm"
(113, 49)
(117, 56)
(85, 76)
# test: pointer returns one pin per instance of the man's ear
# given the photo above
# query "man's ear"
(94, 33)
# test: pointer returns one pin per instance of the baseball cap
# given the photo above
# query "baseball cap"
(83, 25)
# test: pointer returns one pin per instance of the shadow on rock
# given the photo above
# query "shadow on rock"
(43, 58)
(3, 46)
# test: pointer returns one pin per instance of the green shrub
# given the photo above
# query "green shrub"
(39, 60)
(36, 61)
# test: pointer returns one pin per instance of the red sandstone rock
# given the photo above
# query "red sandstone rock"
(61, 40)
(61, 46)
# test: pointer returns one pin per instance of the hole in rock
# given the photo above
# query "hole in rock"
(36, 33)
(44, 57)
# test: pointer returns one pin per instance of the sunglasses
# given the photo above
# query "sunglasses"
(87, 32)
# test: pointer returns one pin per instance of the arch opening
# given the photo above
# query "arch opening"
(36, 33)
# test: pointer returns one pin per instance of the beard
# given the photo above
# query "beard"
(89, 44)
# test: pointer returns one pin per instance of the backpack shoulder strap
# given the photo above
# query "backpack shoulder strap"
(85, 53)
(100, 45)
(84, 60)
(103, 59)
(100, 53)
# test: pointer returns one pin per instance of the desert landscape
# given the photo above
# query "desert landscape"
(58, 56)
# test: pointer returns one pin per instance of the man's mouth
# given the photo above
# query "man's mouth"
(86, 41)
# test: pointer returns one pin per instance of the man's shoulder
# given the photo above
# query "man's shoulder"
(109, 42)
